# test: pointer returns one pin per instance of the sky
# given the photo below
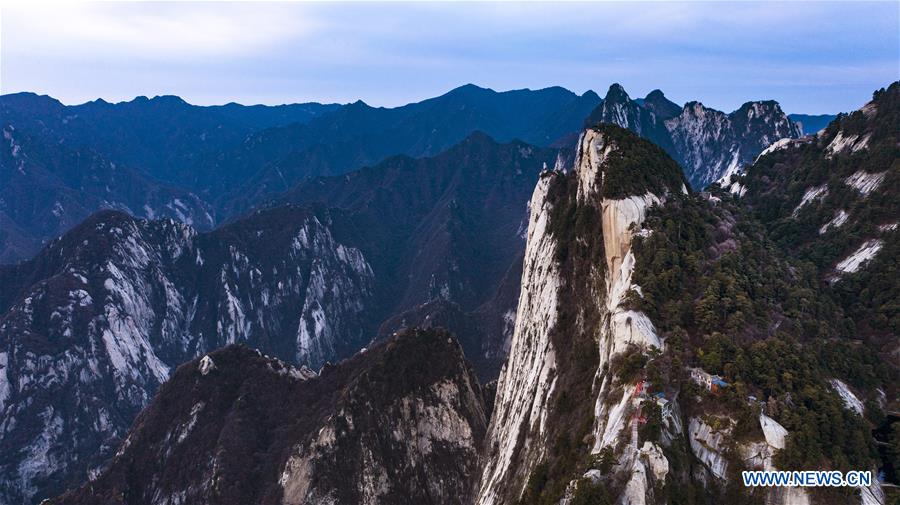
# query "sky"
(813, 57)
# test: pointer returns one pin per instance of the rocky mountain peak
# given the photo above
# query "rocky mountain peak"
(619, 109)
(661, 106)
(133, 299)
(591, 95)
(710, 145)
(169, 101)
(359, 105)
(614, 163)
(567, 332)
(399, 422)
(694, 108)
(469, 88)
(31, 103)
(616, 94)
(769, 113)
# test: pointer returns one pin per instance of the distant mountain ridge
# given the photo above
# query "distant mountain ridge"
(59, 164)
(358, 135)
(710, 145)
(228, 159)
(47, 188)
(812, 123)
(208, 164)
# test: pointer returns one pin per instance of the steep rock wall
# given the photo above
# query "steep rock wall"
(124, 301)
(518, 436)
(527, 379)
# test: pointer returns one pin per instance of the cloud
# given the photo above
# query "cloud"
(152, 30)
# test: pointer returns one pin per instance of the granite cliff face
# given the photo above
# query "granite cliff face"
(710, 145)
(96, 322)
(593, 264)
(445, 237)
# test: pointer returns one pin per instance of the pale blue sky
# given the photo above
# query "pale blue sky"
(813, 57)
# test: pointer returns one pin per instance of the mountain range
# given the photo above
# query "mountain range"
(427, 242)
(710, 145)
(580, 269)
(162, 157)
(667, 341)
(203, 165)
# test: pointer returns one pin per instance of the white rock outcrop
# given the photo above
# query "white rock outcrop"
(811, 195)
(865, 182)
(527, 378)
(709, 445)
(860, 256)
(847, 144)
(775, 433)
(850, 399)
(206, 365)
(839, 219)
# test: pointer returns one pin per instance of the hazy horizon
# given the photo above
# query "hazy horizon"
(811, 57)
(601, 93)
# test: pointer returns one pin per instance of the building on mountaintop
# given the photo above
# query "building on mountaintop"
(711, 382)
